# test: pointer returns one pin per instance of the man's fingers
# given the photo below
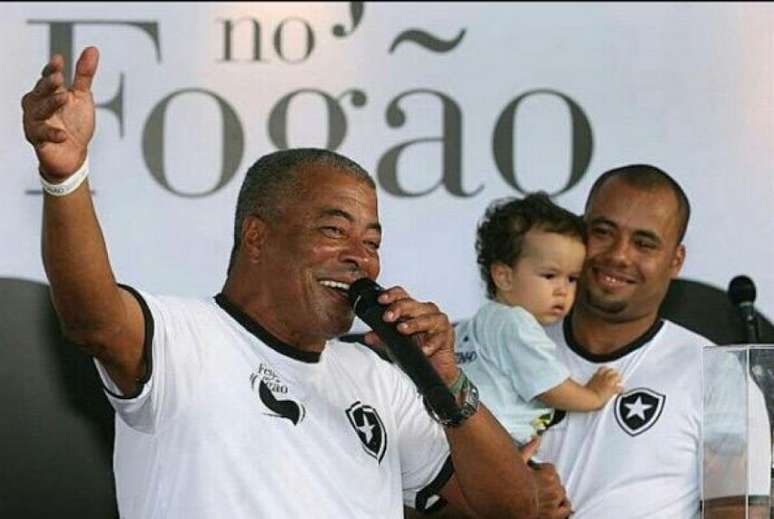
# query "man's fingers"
(400, 306)
(407, 308)
(528, 450)
(46, 107)
(392, 294)
(551, 494)
(414, 318)
(429, 322)
(56, 63)
(434, 343)
(40, 134)
(55, 135)
(47, 85)
(51, 134)
(561, 511)
(85, 69)
(565, 509)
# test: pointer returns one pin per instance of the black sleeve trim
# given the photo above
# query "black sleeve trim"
(147, 357)
(435, 486)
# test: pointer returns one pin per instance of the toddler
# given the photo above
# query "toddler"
(530, 254)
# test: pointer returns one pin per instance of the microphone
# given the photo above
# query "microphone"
(363, 295)
(741, 291)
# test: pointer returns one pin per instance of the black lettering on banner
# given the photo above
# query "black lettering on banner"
(337, 119)
(451, 148)
(582, 141)
(294, 42)
(153, 142)
(279, 41)
(356, 10)
(228, 37)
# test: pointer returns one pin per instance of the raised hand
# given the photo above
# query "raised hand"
(59, 122)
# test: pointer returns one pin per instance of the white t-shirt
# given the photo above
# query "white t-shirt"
(507, 354)
(235, 424)
(640, 456)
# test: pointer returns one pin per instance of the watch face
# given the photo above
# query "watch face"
(470, 404)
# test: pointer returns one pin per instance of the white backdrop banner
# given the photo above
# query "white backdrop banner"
(448, 106)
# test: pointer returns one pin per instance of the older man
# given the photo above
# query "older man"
(243, 405)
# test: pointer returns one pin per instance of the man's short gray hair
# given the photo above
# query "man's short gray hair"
(274, 179)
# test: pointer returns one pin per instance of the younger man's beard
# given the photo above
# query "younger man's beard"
(602, 306)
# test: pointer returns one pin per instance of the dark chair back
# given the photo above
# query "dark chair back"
(56, 434)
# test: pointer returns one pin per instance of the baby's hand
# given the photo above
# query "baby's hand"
(606, 382)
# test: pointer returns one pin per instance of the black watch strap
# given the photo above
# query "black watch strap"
(470, 404)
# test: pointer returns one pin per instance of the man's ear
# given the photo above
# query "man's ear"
(678, 260)
(254, 230)
(502, 275)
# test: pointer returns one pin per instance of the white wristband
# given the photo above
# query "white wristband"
(69, 185)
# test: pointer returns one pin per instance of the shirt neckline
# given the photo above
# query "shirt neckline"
(255, 328)
(583, 352)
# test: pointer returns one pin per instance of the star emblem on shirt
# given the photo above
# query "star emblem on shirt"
(366, 428)
(370, 430)
(637, 409)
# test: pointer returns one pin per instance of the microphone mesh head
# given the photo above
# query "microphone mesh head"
(741, 290)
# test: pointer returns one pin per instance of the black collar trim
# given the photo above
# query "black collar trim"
(252, 326)
(581, 350)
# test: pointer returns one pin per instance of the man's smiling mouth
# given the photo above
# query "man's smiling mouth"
(338, 285)
(339, 288)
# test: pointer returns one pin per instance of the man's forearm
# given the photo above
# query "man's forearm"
(93, 311)
(75, 258)
(493, 477)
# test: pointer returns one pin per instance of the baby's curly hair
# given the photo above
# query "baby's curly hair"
(501, 231)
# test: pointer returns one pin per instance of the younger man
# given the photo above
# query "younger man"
(530, 253)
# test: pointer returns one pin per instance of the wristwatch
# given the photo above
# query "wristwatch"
(470, 404)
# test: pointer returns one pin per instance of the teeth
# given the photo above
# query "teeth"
(613, 280)
(334, 284)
